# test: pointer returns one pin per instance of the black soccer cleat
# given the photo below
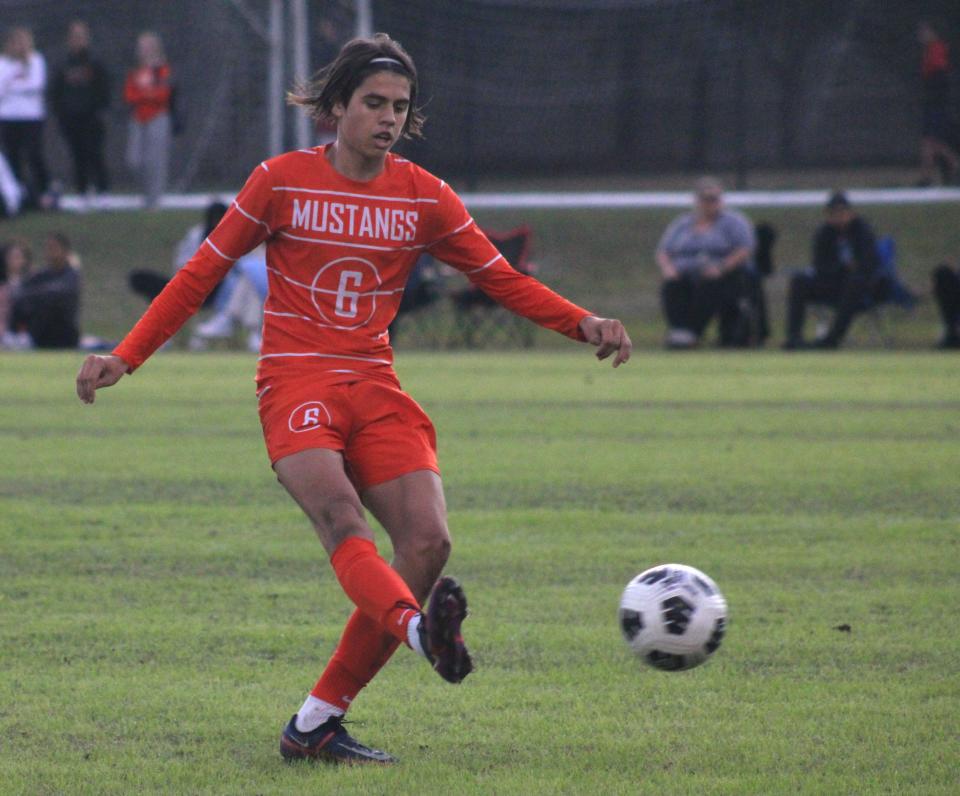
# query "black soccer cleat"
(328, 742)
(440, 633)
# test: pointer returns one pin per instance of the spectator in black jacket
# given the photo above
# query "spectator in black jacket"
(46, 304)
(79, 94)
(845, 275)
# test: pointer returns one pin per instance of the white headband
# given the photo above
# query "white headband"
(386, 60)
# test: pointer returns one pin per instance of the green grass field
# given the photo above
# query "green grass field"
(164, 606)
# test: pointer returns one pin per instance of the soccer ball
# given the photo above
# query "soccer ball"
(673, 616)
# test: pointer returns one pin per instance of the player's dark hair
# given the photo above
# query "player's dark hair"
(357, 60)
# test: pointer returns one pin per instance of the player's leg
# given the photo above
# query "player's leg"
(316, 479)
(412, 510)
(392, 457)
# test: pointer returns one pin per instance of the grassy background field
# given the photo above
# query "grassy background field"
(602, 259)
(164, 606)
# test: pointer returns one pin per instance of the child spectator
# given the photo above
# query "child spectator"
(149, 91)
(15, 259)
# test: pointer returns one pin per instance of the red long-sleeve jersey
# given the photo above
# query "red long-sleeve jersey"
(338, 256)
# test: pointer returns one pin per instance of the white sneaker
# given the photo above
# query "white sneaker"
(253, 342)
(680, 338)
(16, 341)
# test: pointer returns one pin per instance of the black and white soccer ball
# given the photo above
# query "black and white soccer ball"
(673, 616)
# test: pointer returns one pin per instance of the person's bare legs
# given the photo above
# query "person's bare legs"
(317, 481)
(412, 510)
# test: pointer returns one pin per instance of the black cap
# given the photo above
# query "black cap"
(837, 199)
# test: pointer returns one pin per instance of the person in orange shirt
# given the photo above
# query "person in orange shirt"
(344, 224)
(936, 145)
(148, 90)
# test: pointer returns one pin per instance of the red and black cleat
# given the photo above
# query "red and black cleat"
(440, 632)
(328, 742)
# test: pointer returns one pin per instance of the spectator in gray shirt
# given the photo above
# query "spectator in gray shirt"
(703, 256)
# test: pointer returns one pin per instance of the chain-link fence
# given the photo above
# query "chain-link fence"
(540, 86)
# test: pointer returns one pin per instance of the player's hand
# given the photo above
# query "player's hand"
(608, 335)
(96, 372)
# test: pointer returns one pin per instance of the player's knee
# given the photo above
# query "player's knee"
(431, 546)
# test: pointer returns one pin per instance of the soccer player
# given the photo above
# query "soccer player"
(344, 224)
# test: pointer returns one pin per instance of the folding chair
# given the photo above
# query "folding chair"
(480, 321)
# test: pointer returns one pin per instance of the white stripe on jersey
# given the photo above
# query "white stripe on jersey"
(252, 218)
(329, 356)
(213, 246)
(450, 234)
(354, 245)
(486, 265)
(411, 200)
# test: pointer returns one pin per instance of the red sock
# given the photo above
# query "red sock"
(363, 650)
(375, 587)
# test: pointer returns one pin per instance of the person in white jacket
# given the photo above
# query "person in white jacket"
(23, 83)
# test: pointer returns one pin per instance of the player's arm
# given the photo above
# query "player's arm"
(247, 224)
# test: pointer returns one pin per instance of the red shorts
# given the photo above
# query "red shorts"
(381, 431)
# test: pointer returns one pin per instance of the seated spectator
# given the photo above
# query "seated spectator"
(703, 256)
(946, 290)
(845, 274)
(15, 261)
(46, 304)
(149, 283)
(244, 306)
